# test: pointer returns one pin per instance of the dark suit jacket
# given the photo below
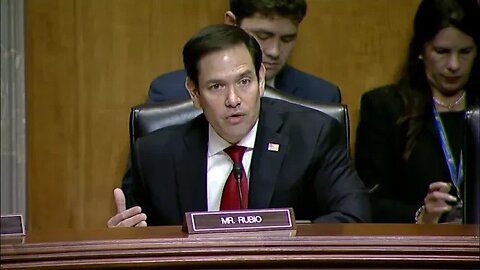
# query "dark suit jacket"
(171, 86)
(311, 171)
(380, 144)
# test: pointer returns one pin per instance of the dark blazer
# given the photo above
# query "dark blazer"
(380, 144)
(171, 86)
(311, 171)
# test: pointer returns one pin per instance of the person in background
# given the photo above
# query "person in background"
(410, 138)
(274, 23)
(291, 155)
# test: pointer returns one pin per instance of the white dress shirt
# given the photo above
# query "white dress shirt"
(219, 164)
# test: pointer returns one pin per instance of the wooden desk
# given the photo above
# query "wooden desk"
(326, 246)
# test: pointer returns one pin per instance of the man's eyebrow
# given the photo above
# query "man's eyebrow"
(214, 81)
(259, 31)
(290, 35)
(245, 73)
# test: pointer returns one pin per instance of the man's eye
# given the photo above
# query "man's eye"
(262, 36)
(288, 39)
(244, 81)
(215, 86)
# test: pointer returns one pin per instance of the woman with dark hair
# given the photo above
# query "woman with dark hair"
(410, 139)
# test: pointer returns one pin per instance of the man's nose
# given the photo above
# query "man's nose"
(272, 49)
(233, 100)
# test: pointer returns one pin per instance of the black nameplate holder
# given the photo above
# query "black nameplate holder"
(245, 220)
(12, 225)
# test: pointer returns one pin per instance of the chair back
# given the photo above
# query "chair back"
(146, 118)
(472, 166)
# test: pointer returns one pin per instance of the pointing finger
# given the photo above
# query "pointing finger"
(119, 198)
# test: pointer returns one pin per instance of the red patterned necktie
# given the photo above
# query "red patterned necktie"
(231, 196)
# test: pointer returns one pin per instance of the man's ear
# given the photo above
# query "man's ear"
(261, 79)
(230, 18)
(192, 92)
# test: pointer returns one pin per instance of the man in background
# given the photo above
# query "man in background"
(274, 23)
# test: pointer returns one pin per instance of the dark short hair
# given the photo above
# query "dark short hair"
(215, 38)
(295, 10)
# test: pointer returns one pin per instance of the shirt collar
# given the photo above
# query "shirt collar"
(216, 143)
(271, 82)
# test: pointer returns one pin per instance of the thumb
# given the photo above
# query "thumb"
(119, 198)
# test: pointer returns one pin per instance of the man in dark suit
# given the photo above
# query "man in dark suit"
(275, 25)
(294, 156)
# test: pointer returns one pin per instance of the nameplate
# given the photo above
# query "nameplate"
(245, 220)
(12, 225)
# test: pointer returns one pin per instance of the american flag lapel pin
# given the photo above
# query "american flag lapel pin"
(274, 147)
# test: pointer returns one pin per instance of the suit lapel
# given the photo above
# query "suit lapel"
(266, 161)
(265, 168)
(191, 176)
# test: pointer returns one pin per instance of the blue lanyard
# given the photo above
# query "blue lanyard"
(455, 174)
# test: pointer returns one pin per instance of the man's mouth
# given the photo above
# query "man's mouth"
(270, 65)
(235, 118)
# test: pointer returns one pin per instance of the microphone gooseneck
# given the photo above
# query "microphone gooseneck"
(237, 173)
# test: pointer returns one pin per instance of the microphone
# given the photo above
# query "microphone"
(237, 173)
